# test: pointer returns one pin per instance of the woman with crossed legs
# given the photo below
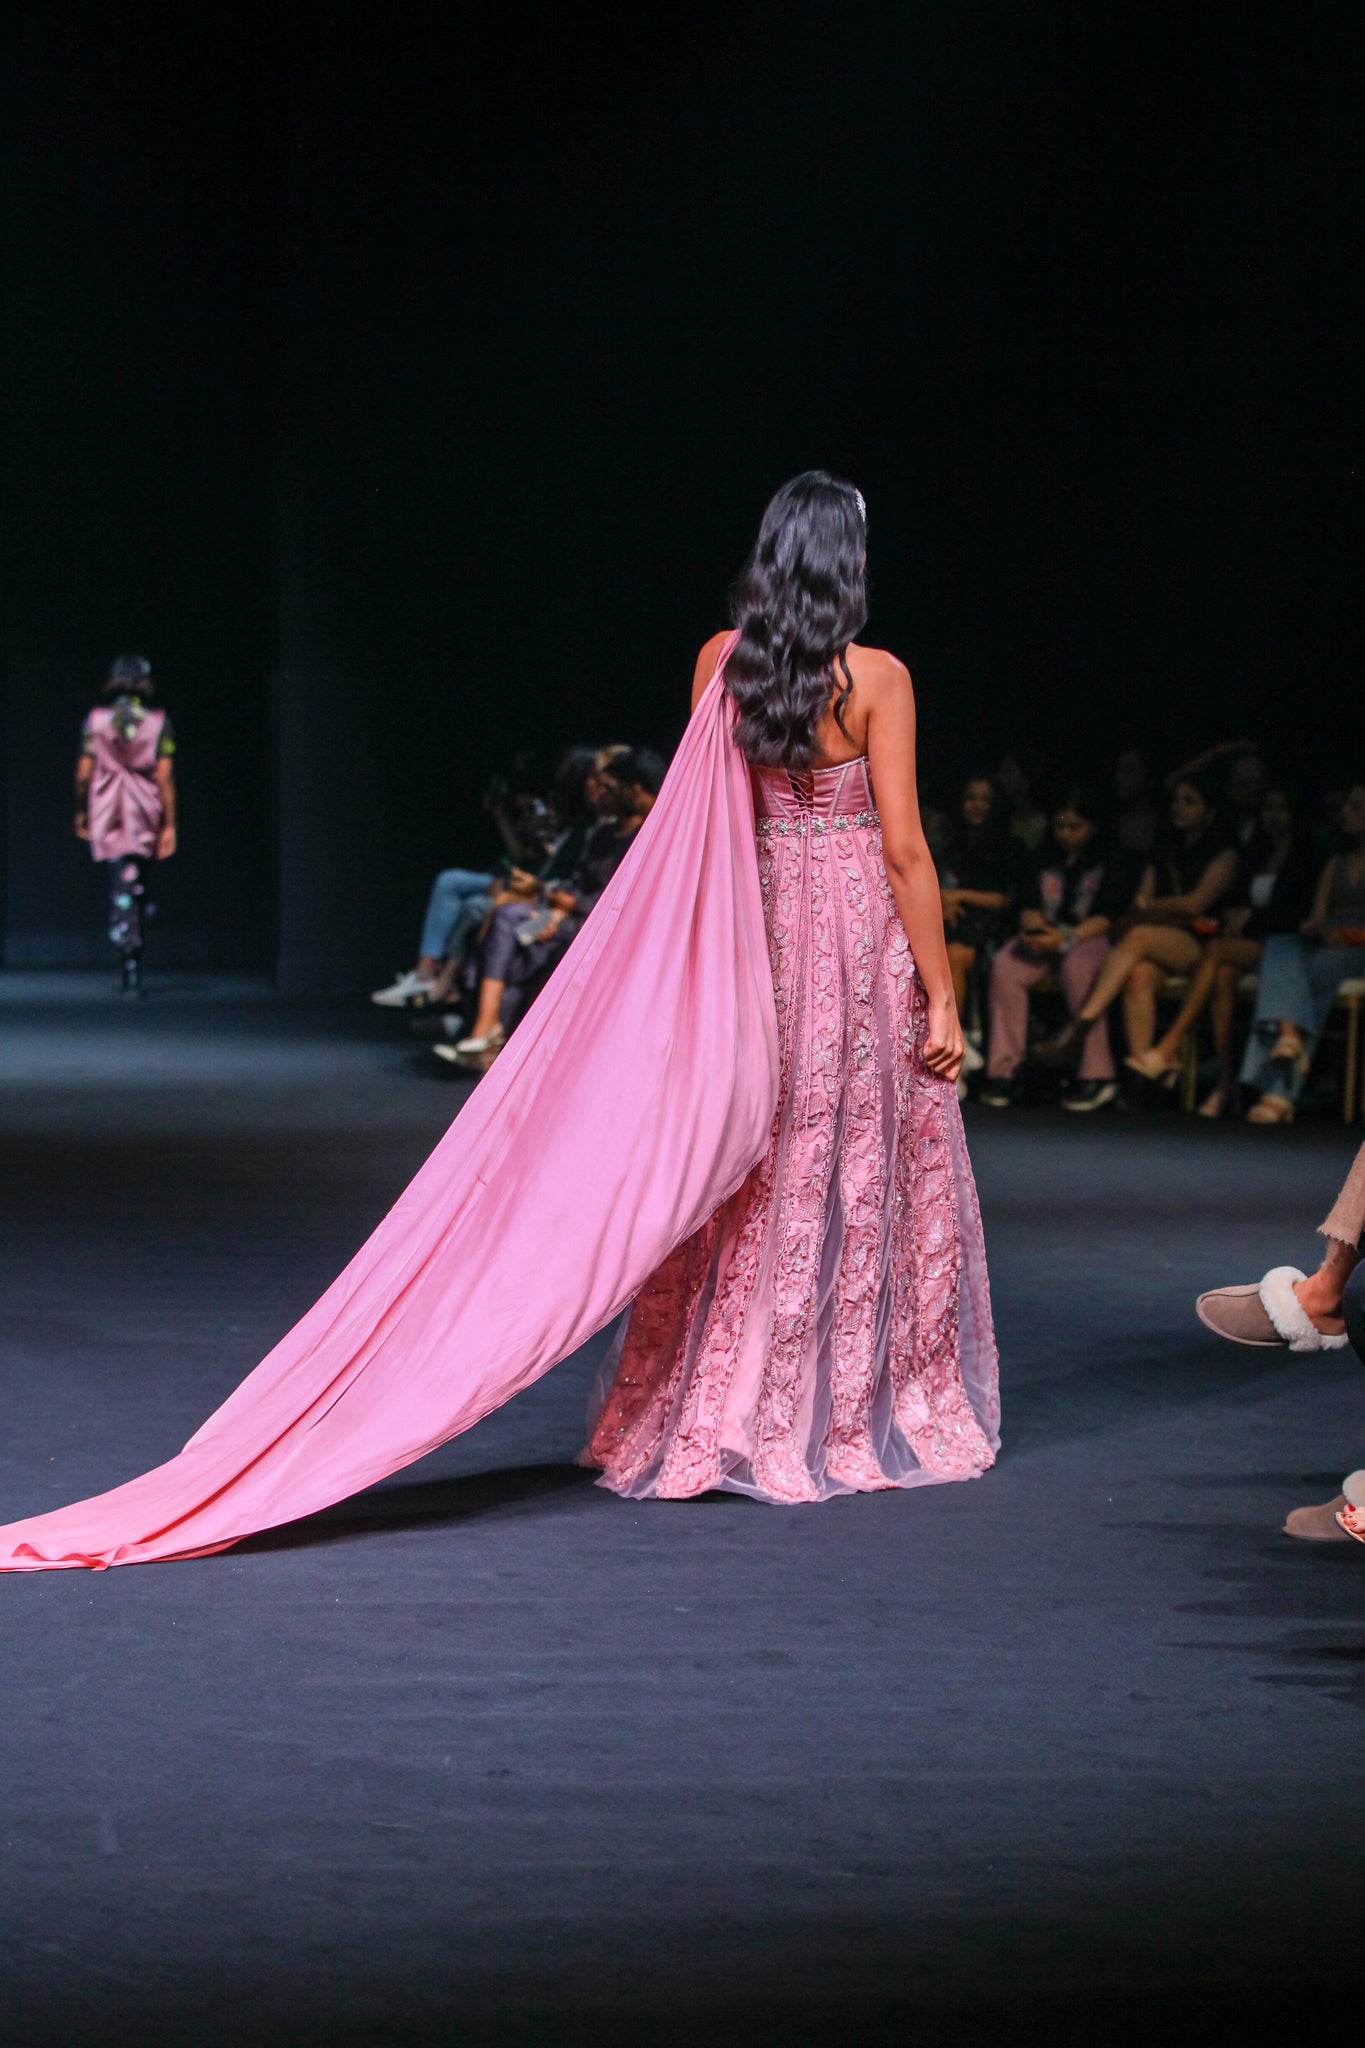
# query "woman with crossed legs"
(1189, 875)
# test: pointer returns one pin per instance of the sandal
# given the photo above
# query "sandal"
(1289, 1051)
(1271, 1109)
(1153, 1067)
(1215, 1103)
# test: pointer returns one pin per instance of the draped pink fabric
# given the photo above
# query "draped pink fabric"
(634, 1099)
(125, 803)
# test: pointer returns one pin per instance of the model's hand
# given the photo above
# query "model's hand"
(165, 842)
(942, 1053)
(82, 825)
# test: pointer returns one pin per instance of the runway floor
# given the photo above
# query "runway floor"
(490, 1756)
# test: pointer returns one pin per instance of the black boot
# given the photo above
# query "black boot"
(1063, 1049)
(131, 982)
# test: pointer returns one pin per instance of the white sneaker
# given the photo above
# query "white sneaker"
(400, 992)
(972, 1057)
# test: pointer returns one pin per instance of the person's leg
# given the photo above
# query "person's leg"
(452, 889)
(127, 907)
(1123, 957)
(499, 964)
(1283, 998)
(1166, 950)
(961, 960)
(1239, 957)
(1334, 1297)
(1353, 1310)
(1012, 976)
(1212, 962)
(1328, 967)
(1081, 969)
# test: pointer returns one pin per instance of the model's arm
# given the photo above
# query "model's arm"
(706, 666)
(85, 768)
(909, 863)
(165, 782)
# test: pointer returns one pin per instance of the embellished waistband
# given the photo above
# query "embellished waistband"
(802, 823)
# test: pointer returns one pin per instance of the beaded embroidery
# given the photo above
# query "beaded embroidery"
(807, 821)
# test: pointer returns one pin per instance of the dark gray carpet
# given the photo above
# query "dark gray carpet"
(489, 1756)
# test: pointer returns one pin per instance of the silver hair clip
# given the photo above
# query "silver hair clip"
(862, 504)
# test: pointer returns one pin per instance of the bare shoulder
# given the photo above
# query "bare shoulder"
(706, 664)
(881, 679)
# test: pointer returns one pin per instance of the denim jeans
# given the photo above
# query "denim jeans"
(457, 905)
(1297, 985)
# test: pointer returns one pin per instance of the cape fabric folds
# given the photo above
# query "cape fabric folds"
(633, 1100)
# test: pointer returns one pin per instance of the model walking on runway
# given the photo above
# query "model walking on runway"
(125, 802)
(731, 1112)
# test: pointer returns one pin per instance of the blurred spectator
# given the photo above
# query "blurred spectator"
(1301, 972)
(461, 898)
(508, 968)
(1135, 823)
(1063, 930)
(1016, 779)
(1274, 891)
(1190, 874)
(976, 876)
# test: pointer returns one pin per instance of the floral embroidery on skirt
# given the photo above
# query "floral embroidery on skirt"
(829, 1329)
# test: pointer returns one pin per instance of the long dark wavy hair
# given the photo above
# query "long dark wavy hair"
(800, 600)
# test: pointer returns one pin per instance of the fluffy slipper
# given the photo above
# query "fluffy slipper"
(1318, 1524)
(1290, 1318)
(1237, 1313)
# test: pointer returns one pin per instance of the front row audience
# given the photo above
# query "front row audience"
(1066, 914)
(491, 939)
(1223, 903)
(1228, 902)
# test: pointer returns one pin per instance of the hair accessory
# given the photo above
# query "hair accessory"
(862, 504)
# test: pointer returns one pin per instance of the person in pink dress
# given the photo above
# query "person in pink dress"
(728, 1125)
(125, 801)
(829, 1329)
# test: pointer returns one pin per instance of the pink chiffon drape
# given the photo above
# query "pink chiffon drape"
(632, 1102)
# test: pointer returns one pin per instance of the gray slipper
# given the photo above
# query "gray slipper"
(1268, 1314)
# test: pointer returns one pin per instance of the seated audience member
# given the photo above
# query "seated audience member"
(461, 898)
(1245, 782)
(1134, 822)
(1236, 770)
(459, 901)
(1302, 1312)
(976, 876)
(1190, 874)
(1063, 929)
(1300, 973)
(505, 963)
(1273, 894)
(1026, 823)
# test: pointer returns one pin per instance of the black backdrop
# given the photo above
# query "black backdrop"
(407, 381)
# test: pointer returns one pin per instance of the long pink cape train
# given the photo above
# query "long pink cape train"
(635, 1097)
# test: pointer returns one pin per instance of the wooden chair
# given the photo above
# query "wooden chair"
(1351, 999)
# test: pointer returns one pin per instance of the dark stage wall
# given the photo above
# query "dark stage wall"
(408, 386)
